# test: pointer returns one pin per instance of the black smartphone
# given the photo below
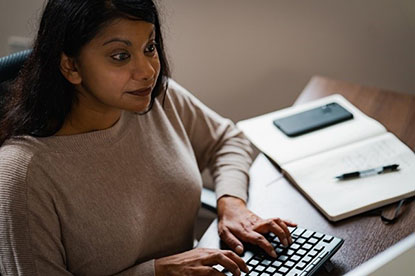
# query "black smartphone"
(313, 119)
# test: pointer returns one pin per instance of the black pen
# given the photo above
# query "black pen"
(378, 170)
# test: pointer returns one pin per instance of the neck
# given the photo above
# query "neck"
(83, 120)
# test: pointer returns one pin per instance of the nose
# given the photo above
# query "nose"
(143, 69)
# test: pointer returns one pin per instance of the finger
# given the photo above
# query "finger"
(279, 228)
(279, 231)
(259, 240)
(285, 224)
(219, 258)
(270, 225)
(229, 238)
(290, 223)
(238, 260)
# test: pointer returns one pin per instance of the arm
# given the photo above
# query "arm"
(221, 147)
(216, 142)
(22, 245)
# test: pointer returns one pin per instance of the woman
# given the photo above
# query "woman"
(101, 155)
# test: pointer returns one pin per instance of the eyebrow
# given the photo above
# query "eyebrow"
(125, 41)
(116, 39)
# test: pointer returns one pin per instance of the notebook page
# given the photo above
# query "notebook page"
(283, 149)
(337, 199)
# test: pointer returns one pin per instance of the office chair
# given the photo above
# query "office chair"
(10, 65)
(9, 68)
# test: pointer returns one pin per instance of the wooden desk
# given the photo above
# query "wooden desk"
(365, 235)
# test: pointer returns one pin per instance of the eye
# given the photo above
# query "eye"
(121, 56)
(151, 48)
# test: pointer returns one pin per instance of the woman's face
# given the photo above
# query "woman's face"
(118, 69)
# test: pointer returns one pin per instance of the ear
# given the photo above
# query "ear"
(69, 69)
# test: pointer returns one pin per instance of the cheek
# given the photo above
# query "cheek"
(107, 80)
(156, 66)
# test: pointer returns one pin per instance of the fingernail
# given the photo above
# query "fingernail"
(239, 249)
(273, 254)
(285, 242)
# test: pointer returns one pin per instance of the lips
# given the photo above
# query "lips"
(141, 92)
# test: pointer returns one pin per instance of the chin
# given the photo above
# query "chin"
(140, 108)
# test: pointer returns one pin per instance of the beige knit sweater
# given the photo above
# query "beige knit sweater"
(109, 202)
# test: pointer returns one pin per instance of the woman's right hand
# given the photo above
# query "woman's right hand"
(200, 261)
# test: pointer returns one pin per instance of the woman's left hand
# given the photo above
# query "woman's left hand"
(237, 223)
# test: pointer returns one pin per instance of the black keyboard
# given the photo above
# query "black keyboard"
(304, 256)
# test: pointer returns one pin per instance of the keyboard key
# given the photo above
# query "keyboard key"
(301, 265)
(253, 262)
(295, 258)
(328, 238)
(276, 240)
(307, 259)
(316, 261)
(319, 247)
(266, 262)
(312, 253)
(253, 273)
(318, 235)
(290, 252)
(324, 254)
(307, 246)
(283, 269)
(300, 241)
(313, 240)
(298, 232)
(309, 268)
(295, 246)
(276, 263)
(294, 272)
(289, 264)
(301, 252)
(283, 258)
(260, 268)
(307, 234)
(271, 269)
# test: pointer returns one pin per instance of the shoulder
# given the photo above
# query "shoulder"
(174, 87)
(15, 157)
(180, 95)
(182, 100)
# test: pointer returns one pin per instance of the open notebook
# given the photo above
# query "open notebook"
(312, 161)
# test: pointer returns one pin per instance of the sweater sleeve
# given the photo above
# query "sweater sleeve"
(217, 143)
(30, 233)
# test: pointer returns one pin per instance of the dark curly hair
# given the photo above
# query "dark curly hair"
(40, 98)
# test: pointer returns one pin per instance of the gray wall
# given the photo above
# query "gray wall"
(244, 57)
